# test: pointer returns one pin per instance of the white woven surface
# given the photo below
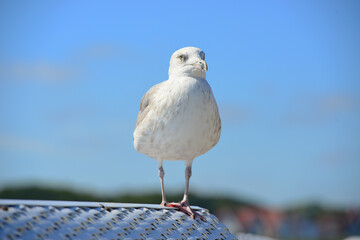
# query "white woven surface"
(28, 219)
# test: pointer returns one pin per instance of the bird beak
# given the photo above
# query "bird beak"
(201, 64)
(204, 65)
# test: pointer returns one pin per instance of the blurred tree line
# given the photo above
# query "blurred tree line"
(46, 193)
(307, 221)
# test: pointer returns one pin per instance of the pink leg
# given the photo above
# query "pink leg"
(161, 175)
(184, 205)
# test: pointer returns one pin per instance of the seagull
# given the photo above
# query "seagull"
(179, 119)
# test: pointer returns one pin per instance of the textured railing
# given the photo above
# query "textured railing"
(29, 219)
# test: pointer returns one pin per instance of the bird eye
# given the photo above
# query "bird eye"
(181, 57)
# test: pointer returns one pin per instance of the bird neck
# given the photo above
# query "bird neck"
(187, 72)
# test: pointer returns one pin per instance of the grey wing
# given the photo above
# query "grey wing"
(146, 102)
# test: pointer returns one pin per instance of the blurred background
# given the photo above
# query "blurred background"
(286, 76)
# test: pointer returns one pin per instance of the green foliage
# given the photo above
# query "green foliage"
(212, 203)
(315, 211)
(42, 193)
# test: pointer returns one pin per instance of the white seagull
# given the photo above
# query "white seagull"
(179, 118)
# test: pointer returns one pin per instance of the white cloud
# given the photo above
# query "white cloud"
(232, 113)
(49, 70)
(320, 108)
(44, 71)
(25, 145)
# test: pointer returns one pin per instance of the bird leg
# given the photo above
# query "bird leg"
(188, 173)
(184, 205)
(161, 175)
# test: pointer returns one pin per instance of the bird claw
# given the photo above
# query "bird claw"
(185, 208)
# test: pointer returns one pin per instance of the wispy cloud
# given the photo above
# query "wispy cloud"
(44, 71)
(100, 51)
(50, 70)
(25, 145)
(338, 157)
(319, 108)
(232, 113)
(337, 103)
(74, 146)
(69, 114)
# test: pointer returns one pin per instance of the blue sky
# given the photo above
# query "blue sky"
(286, 76)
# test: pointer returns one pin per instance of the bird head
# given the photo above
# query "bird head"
(188, 61)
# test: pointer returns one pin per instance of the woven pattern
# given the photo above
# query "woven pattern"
(98, 221)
